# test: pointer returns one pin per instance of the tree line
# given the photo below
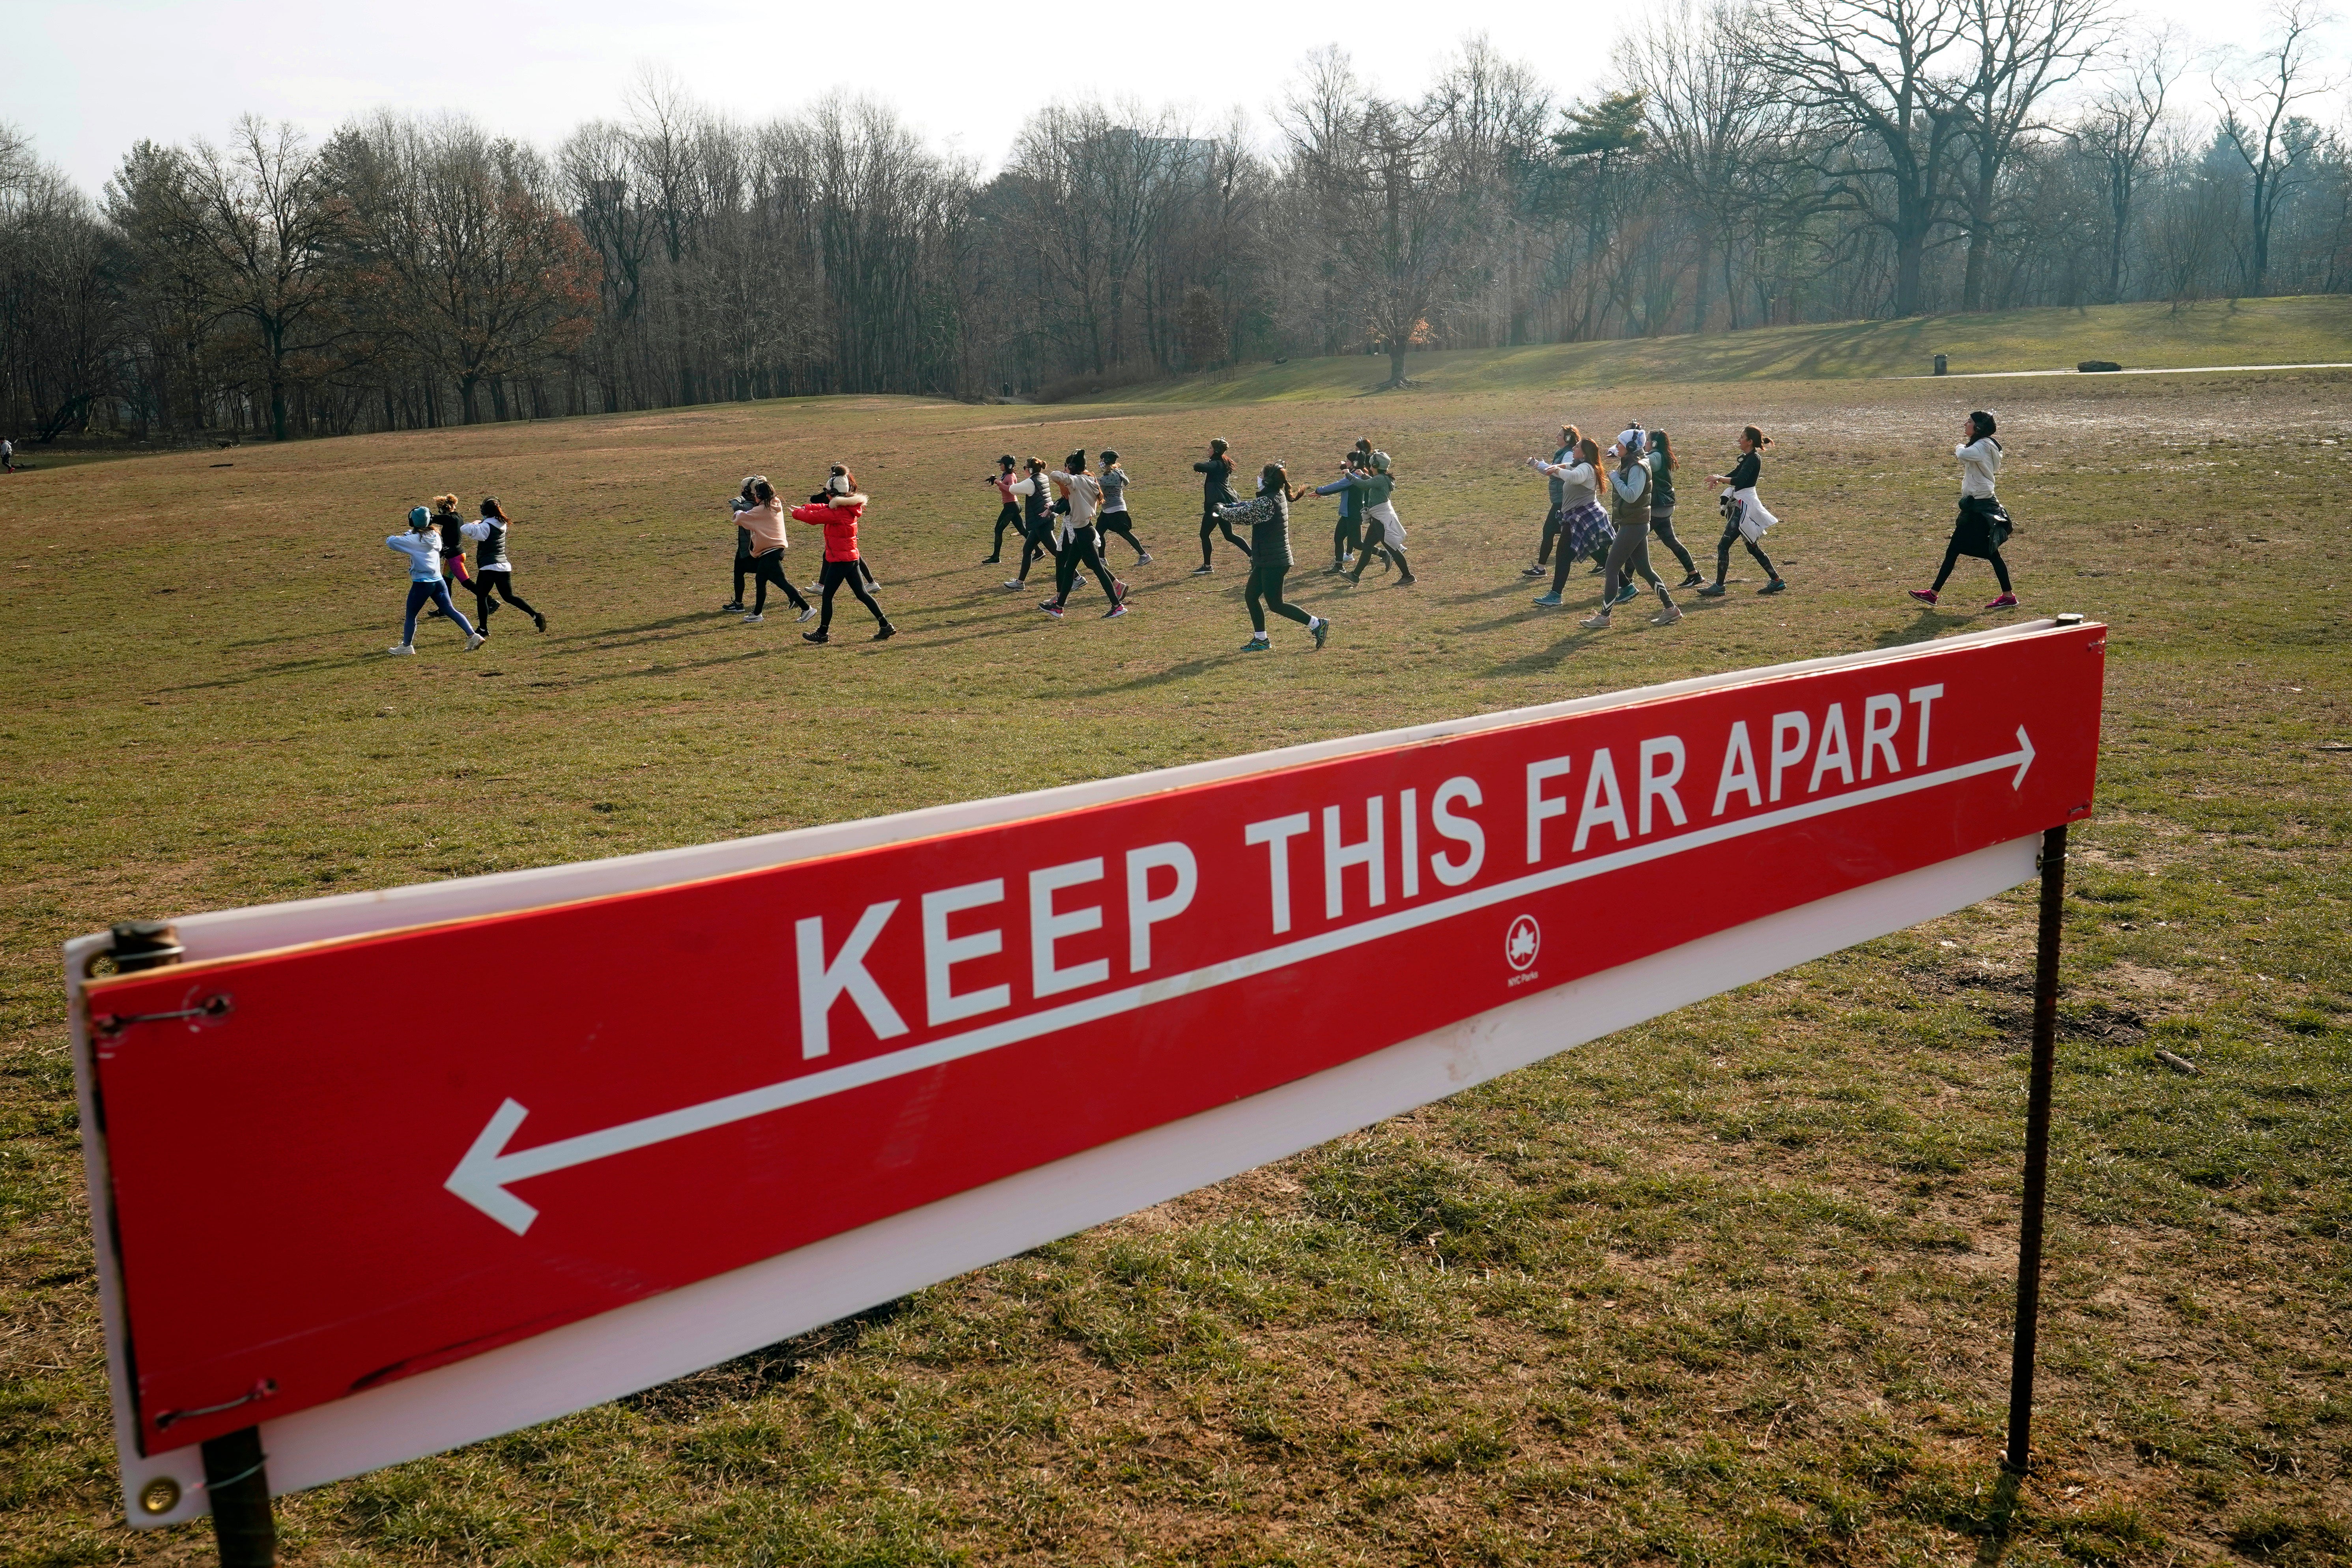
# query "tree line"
(1729, 164)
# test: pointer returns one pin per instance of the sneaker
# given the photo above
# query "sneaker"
(1407, 581)
(1598, 568)
(1627, 594)
(1536, 572)
(1666, 616)
(475, 641)
(733, 607)
(754, 620)
(1322, 630)
(1776, 585)
(808, 613)
(1118, 592)
(2006, 602)
(1202, 570)
(817, 588)
(1015, 583)
(816, 636)
(1712, 591)
(1925, 595)
(882, 632)
(1258, 645)
(1051, 608)
(541, 619)
(1598, 623)
(1114, 612)
(401, 647)
(1693, 581)
(1548, 601)
(992, 561)
(1144, 558)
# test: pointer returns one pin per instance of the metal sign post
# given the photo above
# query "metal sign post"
(2037, 1150)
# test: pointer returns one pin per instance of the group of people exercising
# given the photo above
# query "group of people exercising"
(1605, 507)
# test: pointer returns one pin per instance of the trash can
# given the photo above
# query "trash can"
(1940, 363)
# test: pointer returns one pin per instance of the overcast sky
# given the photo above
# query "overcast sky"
(89, 77)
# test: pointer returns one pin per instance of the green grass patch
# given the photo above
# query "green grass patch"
(1732, 1287)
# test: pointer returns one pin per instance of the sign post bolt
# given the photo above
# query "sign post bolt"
(235, 1479)
(2037, 1151)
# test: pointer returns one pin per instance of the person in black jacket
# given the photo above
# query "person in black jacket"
(1216, 490)
(1269, 519)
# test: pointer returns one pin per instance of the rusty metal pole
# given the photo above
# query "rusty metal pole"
(2037, 1153)
(236, 1480)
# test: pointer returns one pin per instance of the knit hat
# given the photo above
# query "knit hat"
(418, 517)
(1381, 462)
(1635, 440)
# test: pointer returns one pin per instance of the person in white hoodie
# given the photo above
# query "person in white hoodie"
(1983, 526)
(1080, 541)
(422, 545)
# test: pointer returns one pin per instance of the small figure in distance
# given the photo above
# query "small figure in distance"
(1268, 516)
(837, 511)
(1008, 511)
(422, 545)
(1217, 491)
(1745, 517)
(1983, 526)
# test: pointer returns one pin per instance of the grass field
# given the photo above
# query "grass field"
(1730, 1288)
(2317, 330)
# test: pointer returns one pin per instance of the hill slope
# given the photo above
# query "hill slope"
(2217, 332)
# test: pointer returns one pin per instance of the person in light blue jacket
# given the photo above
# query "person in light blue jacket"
(422, 545)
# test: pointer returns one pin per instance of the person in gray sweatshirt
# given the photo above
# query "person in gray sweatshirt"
(1113, 518)
(1628, 553)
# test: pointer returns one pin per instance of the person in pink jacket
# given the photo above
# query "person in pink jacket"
(764, 520)
(838, 513)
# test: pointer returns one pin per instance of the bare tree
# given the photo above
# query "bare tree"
(2116, 130)
(2258, 118)
(2019, 51)
(1878, 77)
(1710, 118)
(275, 234)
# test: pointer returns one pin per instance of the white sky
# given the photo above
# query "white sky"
(89, 77)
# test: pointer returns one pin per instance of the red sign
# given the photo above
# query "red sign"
(325, 1176)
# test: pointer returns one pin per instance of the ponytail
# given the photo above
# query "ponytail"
(1756, 438)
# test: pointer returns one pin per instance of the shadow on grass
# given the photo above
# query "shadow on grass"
(770, 1366)
(1925, 626)
(1547, 658)
(291, 667)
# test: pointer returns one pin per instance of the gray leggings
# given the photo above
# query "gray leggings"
(1630, 555)
(1661, 524)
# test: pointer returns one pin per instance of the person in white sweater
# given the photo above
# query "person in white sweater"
(1983, 526)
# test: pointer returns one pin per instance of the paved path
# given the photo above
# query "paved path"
(2155, 370)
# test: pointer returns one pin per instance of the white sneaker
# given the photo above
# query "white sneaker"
(1016, 585)
(755, 620)
(401, 647)
(1667, 616)
(1598, 623)
(1144, 558)
(808, 613)
(475, 640)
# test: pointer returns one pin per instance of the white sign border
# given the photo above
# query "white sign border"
(680, 1331)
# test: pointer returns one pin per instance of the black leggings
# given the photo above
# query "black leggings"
(1119, 522)
(1550, 535)
(1210, 523)
(770, 568)
(1723, 553)
(1007, 516)
(1376, 539)
(1662, 525)
(835, 574)
(1267, 573)
(1084, 549)
(1952, 553)
(502, 583)
(1037, 540)
(1569, 558)
(1347, 534)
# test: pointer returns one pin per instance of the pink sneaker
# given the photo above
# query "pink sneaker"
(2006, 602)
(1925, 595)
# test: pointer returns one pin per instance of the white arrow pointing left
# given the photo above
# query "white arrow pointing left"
(486, 1173)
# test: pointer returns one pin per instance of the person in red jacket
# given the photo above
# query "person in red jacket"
(837, 514)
